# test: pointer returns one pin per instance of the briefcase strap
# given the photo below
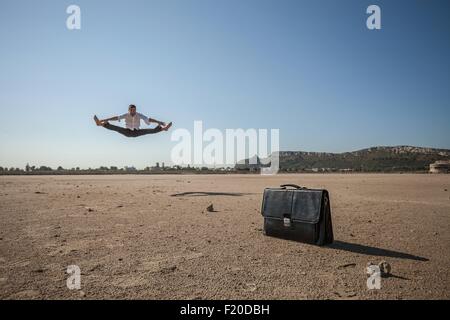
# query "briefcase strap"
(284, 186)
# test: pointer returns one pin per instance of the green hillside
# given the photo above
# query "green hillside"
(375, 159)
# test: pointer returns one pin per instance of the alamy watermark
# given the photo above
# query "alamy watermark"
(73, 21)
(373, 22)
(74, 280)
(214, 147)
(374, 279)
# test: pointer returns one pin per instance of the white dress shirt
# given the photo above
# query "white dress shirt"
(133, 122)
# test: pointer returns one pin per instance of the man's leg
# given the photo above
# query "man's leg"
(124, 131)
(141, 132)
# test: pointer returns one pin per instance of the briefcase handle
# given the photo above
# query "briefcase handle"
(292, 186)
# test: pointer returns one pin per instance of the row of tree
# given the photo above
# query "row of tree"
(31, 169)
(103, 169)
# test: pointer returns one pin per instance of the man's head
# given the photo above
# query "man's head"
(132, 109)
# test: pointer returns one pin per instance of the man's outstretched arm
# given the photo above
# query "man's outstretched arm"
(103, 122)
(149, 120)
(116, 118)
(156, 121)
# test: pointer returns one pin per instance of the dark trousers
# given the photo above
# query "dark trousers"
(132, 133)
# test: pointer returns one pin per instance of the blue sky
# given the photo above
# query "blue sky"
(310, 68)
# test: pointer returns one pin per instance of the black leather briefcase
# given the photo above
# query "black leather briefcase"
(298, 213)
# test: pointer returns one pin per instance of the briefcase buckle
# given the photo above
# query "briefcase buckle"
(287, 222)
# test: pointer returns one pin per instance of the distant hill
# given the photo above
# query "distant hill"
(375, 159)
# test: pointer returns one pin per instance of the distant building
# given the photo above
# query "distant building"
(440, 167)
(252, 164)
(155, 168)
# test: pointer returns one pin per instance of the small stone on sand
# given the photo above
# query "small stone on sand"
(385, 268)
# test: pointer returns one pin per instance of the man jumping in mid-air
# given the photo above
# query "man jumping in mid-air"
(133, 122)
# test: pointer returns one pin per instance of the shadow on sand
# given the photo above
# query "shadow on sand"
(373, 251)
(203, 194)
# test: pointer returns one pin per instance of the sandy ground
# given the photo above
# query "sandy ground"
(150, 237)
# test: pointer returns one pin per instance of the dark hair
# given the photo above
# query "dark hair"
(132, 106)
